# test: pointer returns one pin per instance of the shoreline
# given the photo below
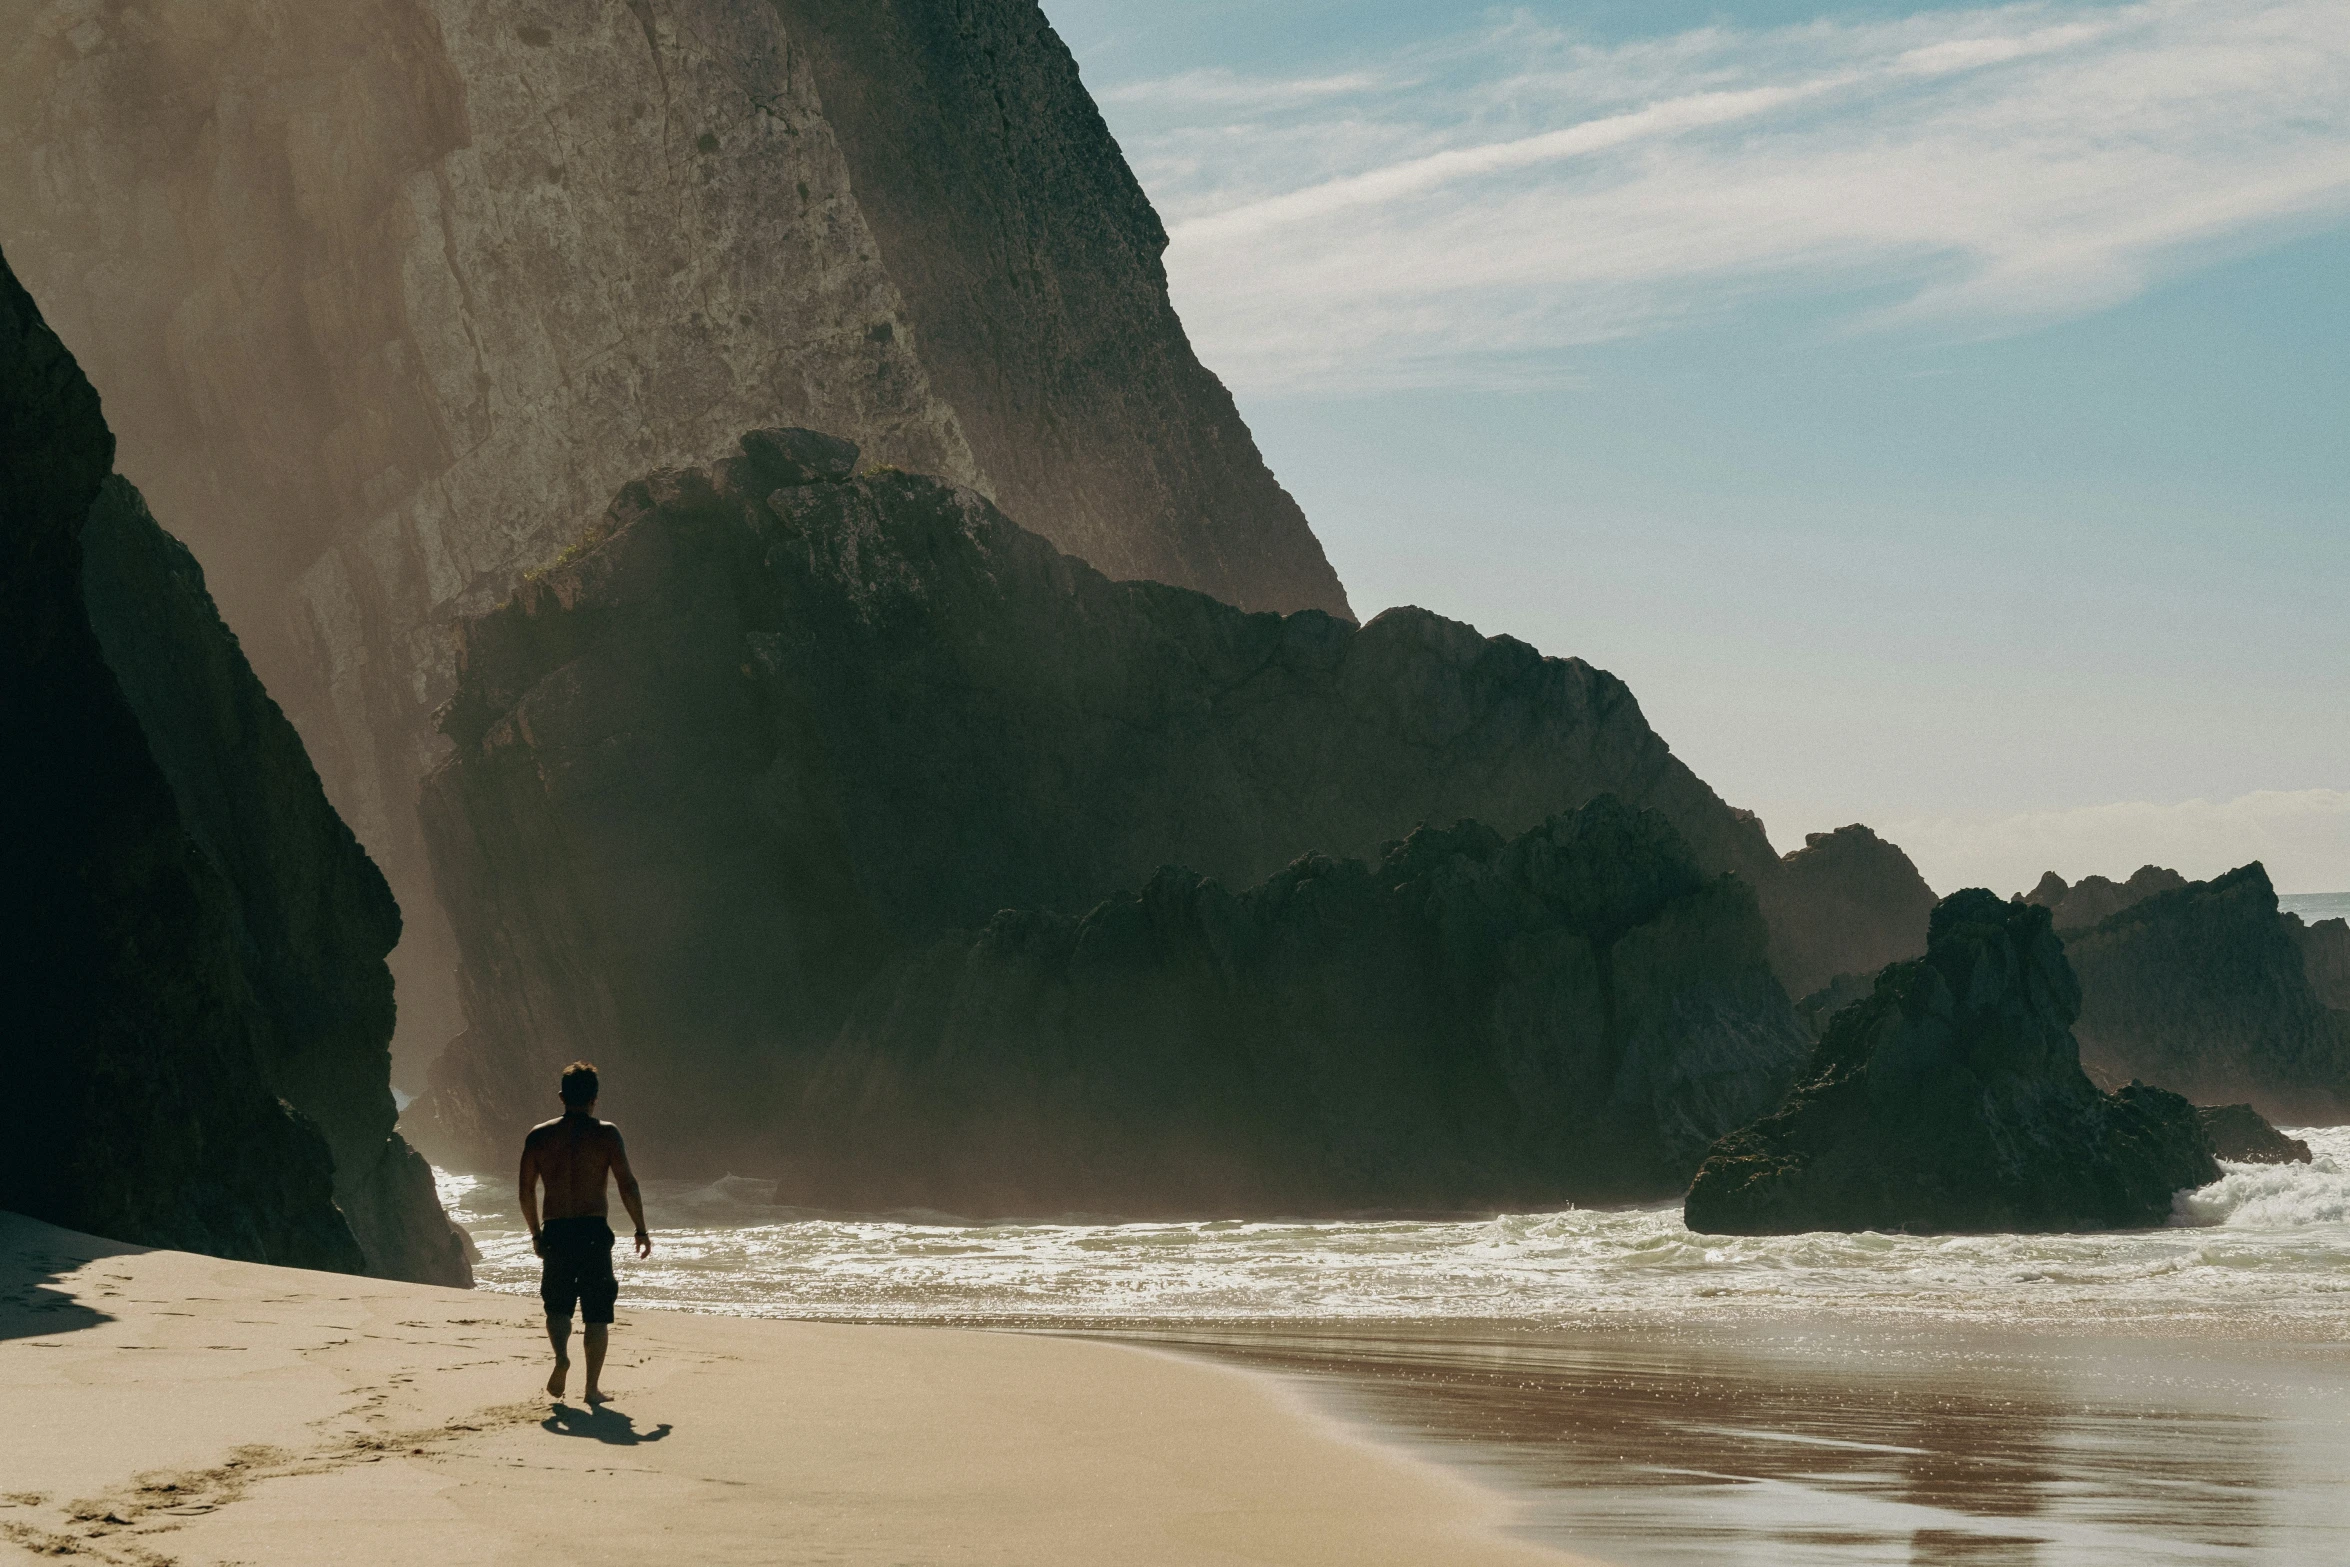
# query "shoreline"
(202, 1411)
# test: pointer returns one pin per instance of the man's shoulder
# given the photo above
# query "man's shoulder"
(540, 1132)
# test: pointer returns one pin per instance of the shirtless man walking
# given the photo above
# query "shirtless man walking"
(573, 1154)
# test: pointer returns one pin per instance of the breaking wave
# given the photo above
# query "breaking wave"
(2264, 1243)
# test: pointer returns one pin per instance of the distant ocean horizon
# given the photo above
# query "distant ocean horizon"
(2314, 906)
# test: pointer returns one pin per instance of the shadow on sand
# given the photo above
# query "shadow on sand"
(602, 1422)
(32, 1255)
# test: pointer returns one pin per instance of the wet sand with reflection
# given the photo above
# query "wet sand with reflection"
(1841, 1443)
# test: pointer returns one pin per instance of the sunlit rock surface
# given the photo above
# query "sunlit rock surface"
(760, 737)
(200, 1013)
(1953, 1099)
(385, 295)
(1573, 1015)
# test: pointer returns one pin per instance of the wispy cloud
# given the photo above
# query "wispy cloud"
(2302, 835)
(1487, 200)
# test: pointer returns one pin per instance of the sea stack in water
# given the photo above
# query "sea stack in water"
(2242, 1135)
(1572, 1015)
(198, 1008)
(1952, 1099)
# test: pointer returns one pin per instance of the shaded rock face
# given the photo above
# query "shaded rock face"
(2094, 899)
(384, 295)
(1846, 903)
(2242, 1135)
(1952, 1099)
(760, 737)
(2206, 990)
(201, 1011)
(1574, 1015)
(2325, 958)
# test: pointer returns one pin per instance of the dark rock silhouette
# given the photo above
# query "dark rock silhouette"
(759, 737)
(2207, 991)
(2093, 899)
(1952, 1099)
(2242, 1135)
(2325, 958)
(1846, 903)
(200, 1012)
(1575, 1014)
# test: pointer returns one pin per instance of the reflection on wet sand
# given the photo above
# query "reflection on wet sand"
(1849, 1445)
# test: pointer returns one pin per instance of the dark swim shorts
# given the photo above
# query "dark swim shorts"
(577, 1266)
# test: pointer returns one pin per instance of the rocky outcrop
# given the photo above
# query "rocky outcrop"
(2242, 1135)
(1846, 903)
(2095, 899)
(384, 296)
(2206, 990)
(200, 1011)
(1953, 1100)
(763, 735)
(1574, 1015)
(2325, 958)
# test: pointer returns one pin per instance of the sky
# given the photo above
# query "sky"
(1939, 415)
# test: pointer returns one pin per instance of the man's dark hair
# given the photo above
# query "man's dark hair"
(579, 1084)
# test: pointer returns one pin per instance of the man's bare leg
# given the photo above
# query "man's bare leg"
(594, 1335)
(559, 1335)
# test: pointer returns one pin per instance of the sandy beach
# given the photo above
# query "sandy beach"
(171, 1408)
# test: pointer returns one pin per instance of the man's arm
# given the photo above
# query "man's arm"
(530, 1195)
(629, 1194)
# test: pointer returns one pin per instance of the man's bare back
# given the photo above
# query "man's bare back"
(574, 1155)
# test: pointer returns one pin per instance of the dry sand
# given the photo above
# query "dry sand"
(169, 1408)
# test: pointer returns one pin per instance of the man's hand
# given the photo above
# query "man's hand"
(644, 1243)
(538, 1244)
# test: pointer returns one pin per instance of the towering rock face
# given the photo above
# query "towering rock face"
(1572, 1016)
(773, 726)
(1953, 1099)
(1846, 903)
(200, 1012)
(384, 295)
(2207, 991)
(2095, 899)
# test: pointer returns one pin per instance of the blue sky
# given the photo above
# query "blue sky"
(1939, 415)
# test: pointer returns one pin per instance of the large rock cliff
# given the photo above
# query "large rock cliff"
(200, 1014)
(773, 726)
(1953, 1099)
(384, 295)
(2325, 958)
(2094, 899)
(1574, 1015)
(1846, 903)
(2207, 990)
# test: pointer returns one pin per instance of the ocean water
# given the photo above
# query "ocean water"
(2314, 906)
(2265, 1250)
(1654, 1398)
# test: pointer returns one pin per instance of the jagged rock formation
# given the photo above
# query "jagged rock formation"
(1846, 903)
(2095, 899)
(1953, 1100)
(1574, 1015)
(2325, 958)
(2242, 1135)
(383, 296)
(762, 735)
(2206, 990)
(200, 1012)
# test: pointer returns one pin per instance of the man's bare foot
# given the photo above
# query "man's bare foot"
(597, 1396)
(555, 1381)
